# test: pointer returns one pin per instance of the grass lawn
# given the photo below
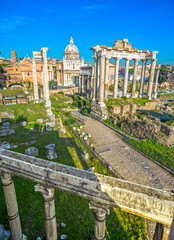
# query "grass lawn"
(70, 209)
(124, 101)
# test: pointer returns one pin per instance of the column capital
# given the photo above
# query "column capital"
(103, 209)
(144, 60)
(153, 60)
(127, 59)
(47, 192)
(6, 178)
(117, 58)
(135, 59)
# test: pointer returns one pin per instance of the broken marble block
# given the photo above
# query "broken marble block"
(32, 151)
(23, 123)
(5, 125)
(50, 151)
(4, 234)
(49, 126)
(40, 120)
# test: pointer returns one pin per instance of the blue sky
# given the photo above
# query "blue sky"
(26, 26)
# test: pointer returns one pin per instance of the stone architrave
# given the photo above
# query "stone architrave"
(101, 83)
(151, 78)
(134, 78)
(116, 77)
(143, 72)
(35, 83)
(100, 212)
(156, 84)
(126, 76)
(12, 206)
(50, 214)
(106, 77)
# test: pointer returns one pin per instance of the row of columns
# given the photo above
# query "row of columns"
(104, 73)
(100, 211)
(88, 80)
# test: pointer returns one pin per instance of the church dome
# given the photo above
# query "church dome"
(71, 47)
(71, 51)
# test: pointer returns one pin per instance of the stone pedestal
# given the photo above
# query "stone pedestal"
(50, 151)
(98, 110)
(100, 213)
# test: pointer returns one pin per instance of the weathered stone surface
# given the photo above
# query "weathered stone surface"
(141, 200)
(50, 151)
(6, 132)
(5, 125)
(32, 151)
(98, 110)
(5, 145)
(4, 116)
(4, 234)
(40, 120)
(63, 237)
(23, 123)
(49, 126)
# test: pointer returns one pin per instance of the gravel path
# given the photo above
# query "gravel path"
(129, 163)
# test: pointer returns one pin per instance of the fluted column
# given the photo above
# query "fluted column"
(151, 78)
(35, 83)
(126, 77)
(50, 214)
(88, 87)
(12, 206)
(100, 212)
(106, 77)
(116, 77)
(97, 81)
(156, 84)
(143, 73)
(134, 78)
(45, 74)
(101, 83)
(94, 95)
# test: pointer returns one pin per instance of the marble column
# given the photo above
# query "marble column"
(126, 77)
(50, 214)
(151, 78)
(80, 84)
(143, 73)
(35, 83)
(116, 77)
(156, 84)
(100, 212)
(101, 82)
(88, 87)
(134, 78)
(45, 74)
(106, 77)
(95, 79)
(12, 206)
(83, 84)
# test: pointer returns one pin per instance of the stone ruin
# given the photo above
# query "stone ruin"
(102, 191)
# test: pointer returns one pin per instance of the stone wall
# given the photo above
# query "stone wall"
(66, 91)
(148, 127)
(131, 108)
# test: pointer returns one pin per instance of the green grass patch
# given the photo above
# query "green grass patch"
(125, 101)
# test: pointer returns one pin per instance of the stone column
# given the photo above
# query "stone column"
(134, 78)
(156, 84)
(82, 78)
(143, 73)
(88, 87)
(151, 78)
(50, 215)
(80, 84)
(101, 83)
(35, 83)
(106, 77)
(94, 95)
(116, 77)
(100, 212)
(12, 206)
(126, 77)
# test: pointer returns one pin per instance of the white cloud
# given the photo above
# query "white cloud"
(8, 24)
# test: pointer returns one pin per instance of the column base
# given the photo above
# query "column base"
(23, 237)
(36, 100)
(98, 110)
